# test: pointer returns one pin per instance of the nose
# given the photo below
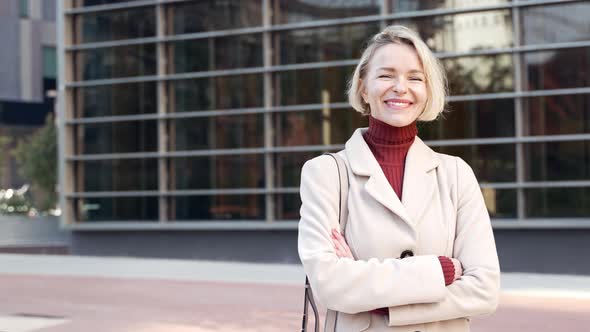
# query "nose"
(400, 86)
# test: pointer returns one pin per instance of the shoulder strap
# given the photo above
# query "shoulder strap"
(343, 189)
(331, 316)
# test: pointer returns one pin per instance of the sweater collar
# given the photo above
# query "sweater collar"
(382, 133)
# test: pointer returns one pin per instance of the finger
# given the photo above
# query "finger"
(341, 239)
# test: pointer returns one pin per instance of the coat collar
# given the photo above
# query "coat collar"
(419, 182)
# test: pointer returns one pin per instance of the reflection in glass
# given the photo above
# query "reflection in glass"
(216, 53)
(197, 16)
(115, 25)
(219, 132)
(490, 163)
(324, 127)
(112, 62)
(501, 203)
(290, 11)
(219, 207)
(341, 42)
(117, 137)
(288, 167)
(307, 86)
(559, 69)
(287, 206)
(218, 172)
(479, 74)
(117, 209)
(555, 23)
(464, 32)
(117, 175)
(215, 93)
(472, 119)
(119, 99)
(555, 115)
(557, 202)
(398, 6)
(553, 161)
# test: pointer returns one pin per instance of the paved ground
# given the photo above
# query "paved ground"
(68, 293)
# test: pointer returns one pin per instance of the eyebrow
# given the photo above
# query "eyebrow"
(413, 71)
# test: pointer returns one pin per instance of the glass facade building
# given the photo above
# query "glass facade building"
(200, 114)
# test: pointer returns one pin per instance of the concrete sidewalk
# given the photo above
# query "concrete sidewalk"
(279, 274)
(110, 294)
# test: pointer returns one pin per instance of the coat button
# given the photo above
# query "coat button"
(407, 253)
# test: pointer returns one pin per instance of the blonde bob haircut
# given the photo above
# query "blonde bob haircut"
(436, 82)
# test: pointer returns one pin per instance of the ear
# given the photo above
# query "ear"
(363, 91)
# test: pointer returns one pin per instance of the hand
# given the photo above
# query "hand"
(458, 269)
(340, 246)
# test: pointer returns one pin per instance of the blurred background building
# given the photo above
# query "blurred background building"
(184, 124)
(28, 72)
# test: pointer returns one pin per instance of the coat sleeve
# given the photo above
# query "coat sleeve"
(344, 284)
(477, 291)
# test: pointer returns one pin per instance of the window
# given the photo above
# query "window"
(49, 62)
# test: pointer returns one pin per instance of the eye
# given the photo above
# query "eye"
(383, 76)
(419, 79)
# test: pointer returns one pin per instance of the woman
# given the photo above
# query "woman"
(418, 252)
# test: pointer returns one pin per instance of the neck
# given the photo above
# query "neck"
(382, 133)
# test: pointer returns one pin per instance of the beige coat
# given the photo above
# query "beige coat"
(442, 212)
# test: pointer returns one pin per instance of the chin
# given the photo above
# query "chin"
(397, 121)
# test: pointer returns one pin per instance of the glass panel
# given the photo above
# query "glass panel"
(117, 137)
(553, 161)
(554, 115)
(316, 127)
(220, 207)
(341, 42)
(546, 70)
(24, 8)
(49, 62)
(557, 202)
(553, 24)
(118, 175)
(479, 74)
(288, 167)
(216, 53)
(119, 99)
(115, 25)
(85, 3)
(413, 5)
(215, 15)
(312, 86)
(122, 61)
(117, 209)
(218, 172)
(501, 203)
(220, 132)
(464, 32)
(490, 163)
(214, 93)
(287, 206)
(289, 11)
(472, 119)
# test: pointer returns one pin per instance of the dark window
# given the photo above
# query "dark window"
(218, 172)
(219, 132)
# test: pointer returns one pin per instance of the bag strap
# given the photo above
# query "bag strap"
(343, 189)
(343, 186)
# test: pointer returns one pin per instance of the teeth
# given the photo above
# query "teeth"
(396, 103)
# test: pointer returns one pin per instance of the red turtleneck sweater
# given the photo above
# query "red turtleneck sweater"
(390, 147)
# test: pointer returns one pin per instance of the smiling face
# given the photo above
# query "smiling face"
(395, 85)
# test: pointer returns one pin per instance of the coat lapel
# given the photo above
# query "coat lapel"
(418, 184)
(419, 179)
